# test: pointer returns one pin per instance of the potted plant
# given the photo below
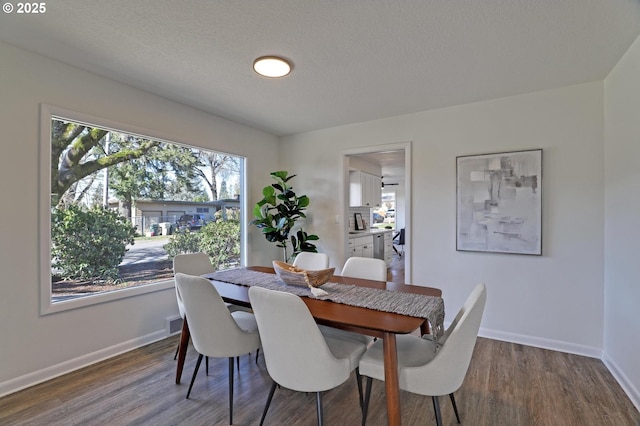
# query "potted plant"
(276, 215)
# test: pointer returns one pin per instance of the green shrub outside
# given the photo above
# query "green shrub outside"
(89, 244)
(182, 241)
(220, 240)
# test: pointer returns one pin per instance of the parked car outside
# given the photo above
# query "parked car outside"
(191, 221)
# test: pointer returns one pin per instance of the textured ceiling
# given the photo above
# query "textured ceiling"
(354, 60)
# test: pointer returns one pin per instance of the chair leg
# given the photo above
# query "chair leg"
(231, 390)
(359, 382)
(365, 405)
(206, 363)
(319, 408)
(257, 353)
(195, 371)
(455, 407)
(269, 398)
(436, 408)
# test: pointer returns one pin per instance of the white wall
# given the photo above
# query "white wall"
(552, 301)
(34, 347)
(622, 221)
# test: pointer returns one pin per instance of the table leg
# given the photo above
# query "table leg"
(182, 351)
(424, 328)
(392, 385)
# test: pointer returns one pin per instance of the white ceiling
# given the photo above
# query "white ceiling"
(391, 165)
(354, 60)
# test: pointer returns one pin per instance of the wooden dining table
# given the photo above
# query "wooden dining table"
(380, 324)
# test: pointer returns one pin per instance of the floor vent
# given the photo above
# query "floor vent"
(174, 325)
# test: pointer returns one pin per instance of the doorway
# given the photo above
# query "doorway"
(394, 164)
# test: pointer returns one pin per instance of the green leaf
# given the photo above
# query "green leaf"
(268, 191)
(282, 174)
(271, 200)
(257, 210)
(289, 178)
(288, 193)
(303, 201)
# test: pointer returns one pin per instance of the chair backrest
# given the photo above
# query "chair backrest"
(367, 268)
(311, 261)
(401, 237)
(214, 332)
(445, 373)
(296, 354)
(190, 264)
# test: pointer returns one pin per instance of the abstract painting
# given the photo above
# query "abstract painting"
(499, 202)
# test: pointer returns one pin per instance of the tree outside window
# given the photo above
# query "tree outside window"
(115, 193)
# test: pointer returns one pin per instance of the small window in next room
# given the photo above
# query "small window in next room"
(385, 215)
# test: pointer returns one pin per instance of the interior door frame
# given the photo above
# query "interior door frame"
(399, 146)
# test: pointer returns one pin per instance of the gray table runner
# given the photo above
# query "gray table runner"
(415, 305)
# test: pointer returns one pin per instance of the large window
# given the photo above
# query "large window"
(118, 204)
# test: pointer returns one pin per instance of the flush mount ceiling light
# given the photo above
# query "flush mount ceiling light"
(272, 66)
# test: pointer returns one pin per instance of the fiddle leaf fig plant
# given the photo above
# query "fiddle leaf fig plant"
(277, 213)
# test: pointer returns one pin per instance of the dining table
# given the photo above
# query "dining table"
(376, 323)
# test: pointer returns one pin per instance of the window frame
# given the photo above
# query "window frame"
(49, 112)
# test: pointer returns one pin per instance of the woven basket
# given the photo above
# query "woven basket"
(292, 275)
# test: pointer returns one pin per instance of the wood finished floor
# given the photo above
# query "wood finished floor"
(507, 384)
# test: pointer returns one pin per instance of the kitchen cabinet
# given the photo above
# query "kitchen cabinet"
(365, 245)
(388, 248)
(365, 189)
(361, 246)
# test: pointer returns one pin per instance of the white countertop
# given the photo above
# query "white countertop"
(375, 231)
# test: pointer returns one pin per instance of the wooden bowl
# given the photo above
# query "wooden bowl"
(292, 275)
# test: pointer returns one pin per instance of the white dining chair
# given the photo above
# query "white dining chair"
(311, 261)
(364, 268)
(367, 268)
(427, 368)
(195, 264)
(215, 331)
(298, 356)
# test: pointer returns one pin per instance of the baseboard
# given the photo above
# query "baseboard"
(632, 392)
(31, 379)
(539, 342)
